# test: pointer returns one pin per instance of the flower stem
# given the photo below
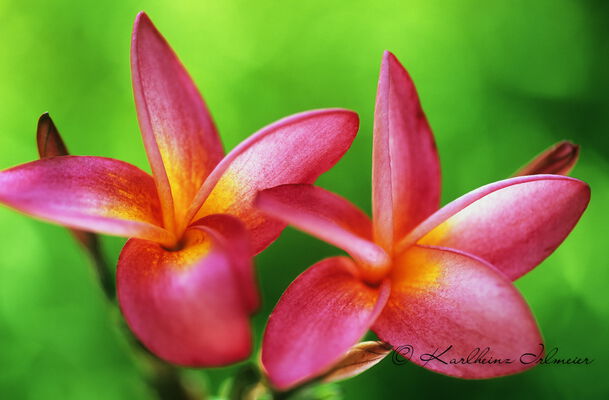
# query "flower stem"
(90, 242)
(162, 377)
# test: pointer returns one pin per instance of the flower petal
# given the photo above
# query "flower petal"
(229, 231)
(326, 216)
(513, 224)
(405, 165)
(185, 306)
(449, 304)
(179, 135)
(91, 193)
(324, 312)
(296, 149)
(558, 159)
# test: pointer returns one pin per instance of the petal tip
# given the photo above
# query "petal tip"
(354, 120)
(584, 187)
(142, 21)
(141, 16)
(388, 56)
(587, 192)
(392, 70)
(390, 60)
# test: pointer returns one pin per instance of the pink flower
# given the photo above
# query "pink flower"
(417, 276)
(185, 280)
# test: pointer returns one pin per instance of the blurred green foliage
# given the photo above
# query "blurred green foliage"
(499, 80)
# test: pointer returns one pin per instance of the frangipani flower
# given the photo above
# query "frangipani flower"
(185, 281)
(422, 279)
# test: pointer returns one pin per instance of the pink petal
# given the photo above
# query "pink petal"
(446, 300)
(179, 135)
(405, 165)
(324, 312)
(558, 159)
(232, 234)
(296, 149)
(513, 224)
(326, 216)
(91, 193)
(185, 306)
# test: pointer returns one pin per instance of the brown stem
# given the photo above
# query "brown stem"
(90, 242)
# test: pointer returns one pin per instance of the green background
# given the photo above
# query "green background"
(499, 81)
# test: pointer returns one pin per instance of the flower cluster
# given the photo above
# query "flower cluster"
(416, 273)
